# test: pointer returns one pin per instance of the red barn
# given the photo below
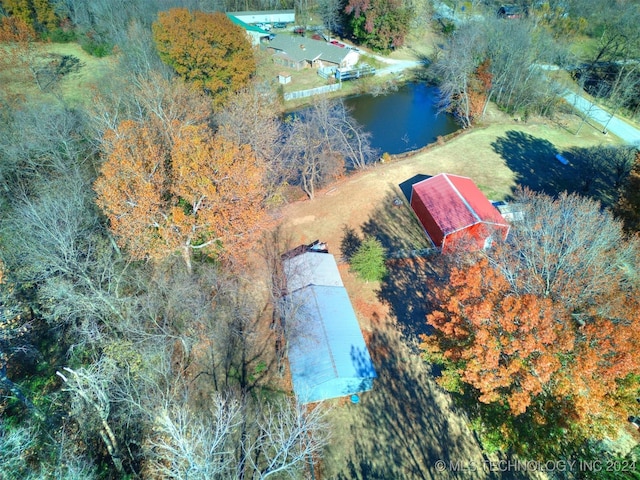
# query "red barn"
(453, 211)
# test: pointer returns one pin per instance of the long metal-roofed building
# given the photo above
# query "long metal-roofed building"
(327, 354)
(266, 16)
(254, 33)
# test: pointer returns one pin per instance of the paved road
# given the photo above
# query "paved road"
(609, 122)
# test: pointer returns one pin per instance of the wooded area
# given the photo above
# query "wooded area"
(139, 254)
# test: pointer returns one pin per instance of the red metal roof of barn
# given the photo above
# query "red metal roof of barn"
(456, 202)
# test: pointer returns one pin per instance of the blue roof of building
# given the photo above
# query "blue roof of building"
(327, 352)
(311, 268)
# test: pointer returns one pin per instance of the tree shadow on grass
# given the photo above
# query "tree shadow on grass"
(404, 290)
(395, 225)
(406, 424)
(598, 172)
(592, 172)
(532, 159)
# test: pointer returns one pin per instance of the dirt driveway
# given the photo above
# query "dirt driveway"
(402, 428)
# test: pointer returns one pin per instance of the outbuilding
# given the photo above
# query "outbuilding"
(266, 16)
(510, 11)
(254, 33)
(455, 213)
(327, 354)
(284, 78)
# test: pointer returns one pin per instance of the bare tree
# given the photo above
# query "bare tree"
(91, 405)
(577, 255)
(54, 240)
(455, 69)
(311, 159)
(332, 14)
(251, 117)
(186, 446)
(291, 437)
(41, 140)
(318, 141)
(353, 141)
(14, 447)
(516, 51)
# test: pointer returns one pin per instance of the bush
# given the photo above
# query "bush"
(60, 35)
(368, 261)
(96, 48)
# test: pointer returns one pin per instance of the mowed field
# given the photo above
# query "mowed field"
(76, 87)
(406, 424)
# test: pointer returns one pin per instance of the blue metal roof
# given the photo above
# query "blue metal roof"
(326, 349)
(311, 268)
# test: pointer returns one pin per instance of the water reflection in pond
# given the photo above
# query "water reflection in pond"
(403, 120)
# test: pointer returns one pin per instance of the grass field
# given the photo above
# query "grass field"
(75, 88)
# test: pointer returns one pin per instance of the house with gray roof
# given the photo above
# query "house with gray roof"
(300, 52)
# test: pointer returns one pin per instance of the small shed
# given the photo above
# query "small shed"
(327, 354)
(284, 78)
(455, 213)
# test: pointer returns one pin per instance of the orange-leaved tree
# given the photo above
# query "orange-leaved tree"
(195, 192)
(506, 346)
(526, 356)
(544, 328)
(37, 14)
(206, 49)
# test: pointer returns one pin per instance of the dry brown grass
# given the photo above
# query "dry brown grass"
(75, 88)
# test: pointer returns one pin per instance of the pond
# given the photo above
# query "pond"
(404, 120)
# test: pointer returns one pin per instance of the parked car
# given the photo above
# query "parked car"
(279, 25)
(337, 43)
(264, 26)
(299, 31)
